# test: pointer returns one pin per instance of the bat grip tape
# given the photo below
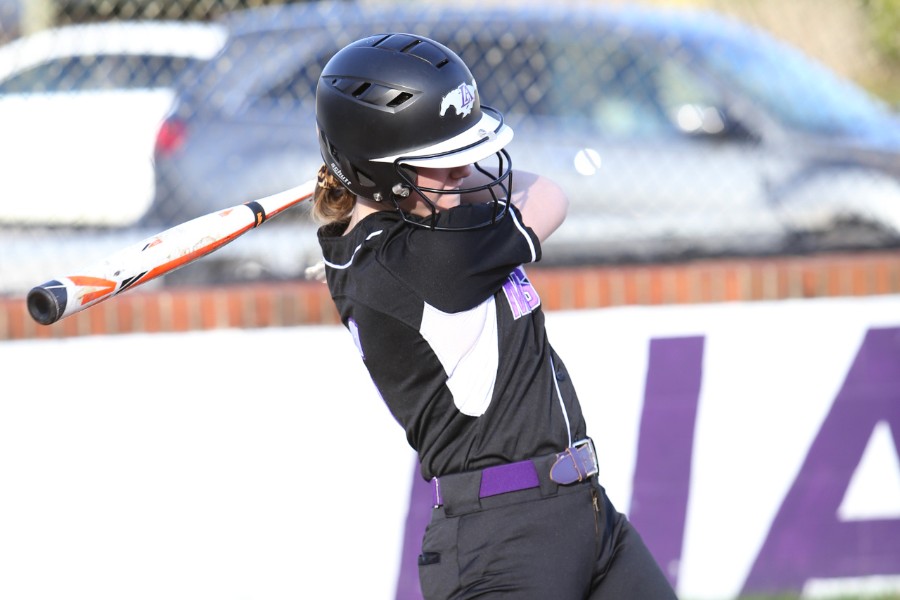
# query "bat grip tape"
(259, 213)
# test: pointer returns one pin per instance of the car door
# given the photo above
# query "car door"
(77, 140)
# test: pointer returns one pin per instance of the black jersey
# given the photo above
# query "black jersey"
(452, 334)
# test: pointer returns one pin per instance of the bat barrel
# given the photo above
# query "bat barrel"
(47, 303)
(156, 256)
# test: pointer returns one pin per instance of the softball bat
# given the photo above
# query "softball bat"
(156, 255)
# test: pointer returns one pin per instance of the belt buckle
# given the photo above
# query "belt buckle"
(576, 464)
(592, 453)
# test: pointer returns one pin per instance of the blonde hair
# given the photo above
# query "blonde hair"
(332, 202)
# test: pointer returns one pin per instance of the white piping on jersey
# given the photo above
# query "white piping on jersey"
(562, 405)
(467, 345)
(521, 228)
(355, 250)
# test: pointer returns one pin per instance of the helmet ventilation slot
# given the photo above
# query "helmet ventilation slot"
(364, 179)
(361, 90)
(400, 99)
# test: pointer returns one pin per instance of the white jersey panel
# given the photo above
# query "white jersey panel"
(467, 346)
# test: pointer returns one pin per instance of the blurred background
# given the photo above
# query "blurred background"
(681, 129)
(740, 156)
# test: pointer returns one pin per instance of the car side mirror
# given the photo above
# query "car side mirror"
(700, 120)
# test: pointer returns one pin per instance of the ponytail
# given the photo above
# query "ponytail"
(332, 202)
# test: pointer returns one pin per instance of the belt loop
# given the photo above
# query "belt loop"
(543, 465)
(461, 496)
(437, 499)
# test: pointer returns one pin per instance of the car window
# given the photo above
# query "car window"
(614, 83)
(269, 71)
(93, 73)
(622, 97)
(510, 71)
(297, 86)
(287, 93)
(799, 91)
(692, 104)
(599, 82)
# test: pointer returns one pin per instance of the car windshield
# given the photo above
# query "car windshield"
(255, 69)
(99, 72)
(614, 88)
(802, 94)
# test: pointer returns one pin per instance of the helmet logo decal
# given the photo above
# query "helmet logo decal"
(340, 174)
(462, 99)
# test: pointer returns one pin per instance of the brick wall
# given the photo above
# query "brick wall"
(304, 302)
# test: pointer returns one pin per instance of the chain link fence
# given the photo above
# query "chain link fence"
(676, 129)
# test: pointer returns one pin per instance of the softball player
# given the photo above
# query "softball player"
(424, 249)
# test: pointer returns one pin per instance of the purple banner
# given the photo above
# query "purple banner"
(807, 539)
(663, 472)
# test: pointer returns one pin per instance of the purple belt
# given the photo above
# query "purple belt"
(573, 465)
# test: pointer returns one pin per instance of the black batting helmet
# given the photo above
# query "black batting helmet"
(393, 101)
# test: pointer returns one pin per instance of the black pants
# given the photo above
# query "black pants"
(568, 544)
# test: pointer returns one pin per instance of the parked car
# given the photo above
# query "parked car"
(675, 133)
(79, 110)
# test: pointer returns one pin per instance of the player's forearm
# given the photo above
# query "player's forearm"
(542, 202)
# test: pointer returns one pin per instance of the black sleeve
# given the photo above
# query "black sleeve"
(457, 270)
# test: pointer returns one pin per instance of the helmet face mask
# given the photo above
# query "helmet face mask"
(498, 185)
(390, 103)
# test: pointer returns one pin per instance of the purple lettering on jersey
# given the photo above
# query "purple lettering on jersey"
(522, 297)
(663, 467)
(807, 539)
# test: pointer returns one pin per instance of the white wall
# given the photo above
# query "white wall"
(261, 464)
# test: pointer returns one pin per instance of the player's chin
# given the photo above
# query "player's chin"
(448, 201)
